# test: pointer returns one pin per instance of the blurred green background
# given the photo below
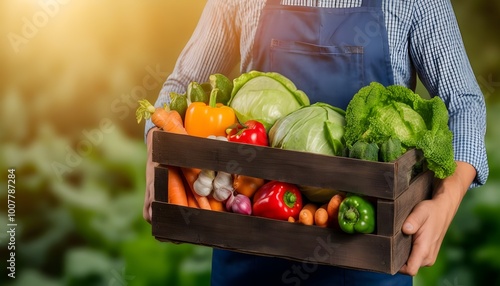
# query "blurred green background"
(71, 72)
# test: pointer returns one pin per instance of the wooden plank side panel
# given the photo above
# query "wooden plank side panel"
(385, 217)
(401, 251)
(420, 189)
(391, 214)
(268, 237)
(404, 171)
(161, 183)
(378, 178)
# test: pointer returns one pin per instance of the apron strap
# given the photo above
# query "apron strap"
(372, 3)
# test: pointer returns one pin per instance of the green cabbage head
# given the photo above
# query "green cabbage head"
(317, 128)
(265, 97)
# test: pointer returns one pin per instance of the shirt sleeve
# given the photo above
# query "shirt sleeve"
(438, 53)
(212, 48)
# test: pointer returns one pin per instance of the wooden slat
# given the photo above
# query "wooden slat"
(385, 217)
(161, 183)
(391, 214)
(376, 179)
(401, 248)
(250, 234)
(404, 171)
(419, 190)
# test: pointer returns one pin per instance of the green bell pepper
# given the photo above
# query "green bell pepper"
(179, 103)
(356, 215)
(198, 92)
(224, 85)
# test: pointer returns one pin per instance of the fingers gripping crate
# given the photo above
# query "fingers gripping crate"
(393, 186)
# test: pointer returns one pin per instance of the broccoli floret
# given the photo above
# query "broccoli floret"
(377, 113)
(390, 150)
(364, 150)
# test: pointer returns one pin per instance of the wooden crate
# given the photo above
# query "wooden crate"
(394, 187)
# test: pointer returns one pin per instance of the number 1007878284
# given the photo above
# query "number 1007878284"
(11, 191)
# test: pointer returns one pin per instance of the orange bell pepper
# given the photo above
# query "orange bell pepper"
(203, 120)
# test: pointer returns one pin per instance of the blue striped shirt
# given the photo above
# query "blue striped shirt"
(424, 41)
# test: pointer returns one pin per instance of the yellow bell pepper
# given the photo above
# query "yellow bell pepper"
(203, 120)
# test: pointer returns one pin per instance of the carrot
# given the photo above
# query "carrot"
(291, 219)
(169, 121)
(306, 215)
(192, 201)
(246, 185)
(191, 174)
(333, 210)
(164, 118)
(190, 197)
(176, 191)
(216, 205)
(321, 216)
(202, 201)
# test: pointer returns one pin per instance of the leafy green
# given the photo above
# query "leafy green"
(265, 97)
(316, 128)
(376, 114)
(390, 150)
(364, 151)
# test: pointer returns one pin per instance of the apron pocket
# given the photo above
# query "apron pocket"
(331, 74)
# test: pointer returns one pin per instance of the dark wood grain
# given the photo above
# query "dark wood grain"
(392, 213)
(401, 247)
(250, 234)
(419, 190)
(393, 186)
(385, 217)
(161, 183)
(376, 179)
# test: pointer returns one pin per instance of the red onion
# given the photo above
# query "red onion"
(240, 204)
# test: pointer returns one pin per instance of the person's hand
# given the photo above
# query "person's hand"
(428, 224)
(430, 219)
(150, 172)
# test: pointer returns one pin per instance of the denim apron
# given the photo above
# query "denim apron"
(329, 53)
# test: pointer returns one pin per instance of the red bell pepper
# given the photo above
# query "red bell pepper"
(277, 200)
(252, 132)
